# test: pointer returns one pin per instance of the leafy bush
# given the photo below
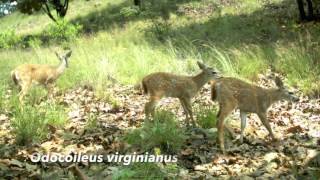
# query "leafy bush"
(206, 116)
(62, 30)
(8, 39)
(129, 11)
(30, 122)
(163, 132)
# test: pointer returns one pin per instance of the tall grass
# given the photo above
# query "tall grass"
(127, 52)
(30, 123)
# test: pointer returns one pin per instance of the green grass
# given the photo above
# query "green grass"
(30, 123)
(206, 116)
(140, 171)
(114, 40)
(162, 132)
(30, 120)
(242, 39)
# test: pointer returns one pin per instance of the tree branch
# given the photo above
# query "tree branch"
(48, 12)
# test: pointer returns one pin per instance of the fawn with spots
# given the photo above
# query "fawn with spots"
(161, 84)
(232, 93)
(27, 75)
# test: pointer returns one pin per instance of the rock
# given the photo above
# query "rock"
(200, 168)
(246, 178)
(183, 172)
(271, 166)
(270, 156)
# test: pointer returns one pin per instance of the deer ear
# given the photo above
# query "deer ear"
(57, 54)
(278, 82)
(201, 66)
(68, 54)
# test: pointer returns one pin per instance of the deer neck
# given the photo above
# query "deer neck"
(200, 79)
(272, 96)
(61, 68)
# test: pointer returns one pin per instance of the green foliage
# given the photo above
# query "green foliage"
(129, 11)
(160, 29)
(34, 42)
(206, 116)
(32, 6)
(92, 123)
(8, 39)
(2, 98)
(301, 67)
(163, 132)
(30, 122)
(63, 31)
(140, 171)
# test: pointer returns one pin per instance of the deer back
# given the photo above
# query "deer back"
(36, 73)
(169, 85)
(247, 97)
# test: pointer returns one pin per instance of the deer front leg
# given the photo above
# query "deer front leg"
(149, 107)
(243, 117)
(266, 123)
(49, 88)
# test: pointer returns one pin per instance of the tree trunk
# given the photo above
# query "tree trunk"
(137, 2)
(306, 16)
(301, 10)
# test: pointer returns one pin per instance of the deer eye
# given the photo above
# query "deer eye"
(291, 93)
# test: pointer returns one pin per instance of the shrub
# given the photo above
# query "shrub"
(163, 132)
(206, 116)
(62, 30)
(8, 39)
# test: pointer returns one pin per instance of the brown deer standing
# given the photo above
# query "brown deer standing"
(232, 93)
(162, 84)
(39, 74)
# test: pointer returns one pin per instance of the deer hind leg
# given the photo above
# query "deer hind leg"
(266, 123)
(230, 131)
(185, 111)
(24, 90)
(187, 104)
(225, 110)
(149, 107)
(243, 117)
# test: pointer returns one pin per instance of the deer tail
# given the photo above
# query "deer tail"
(144, 87)
(14, 77)
(213, 91)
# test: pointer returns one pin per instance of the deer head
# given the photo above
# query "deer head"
(64, 58)
(284, 93)
(208, 71)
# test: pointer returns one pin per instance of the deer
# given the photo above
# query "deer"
(27, 75)
(161, 84)
(232, 93)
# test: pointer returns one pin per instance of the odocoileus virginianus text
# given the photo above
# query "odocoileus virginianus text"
(162, 84)
(39, 74)
(232, 93)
